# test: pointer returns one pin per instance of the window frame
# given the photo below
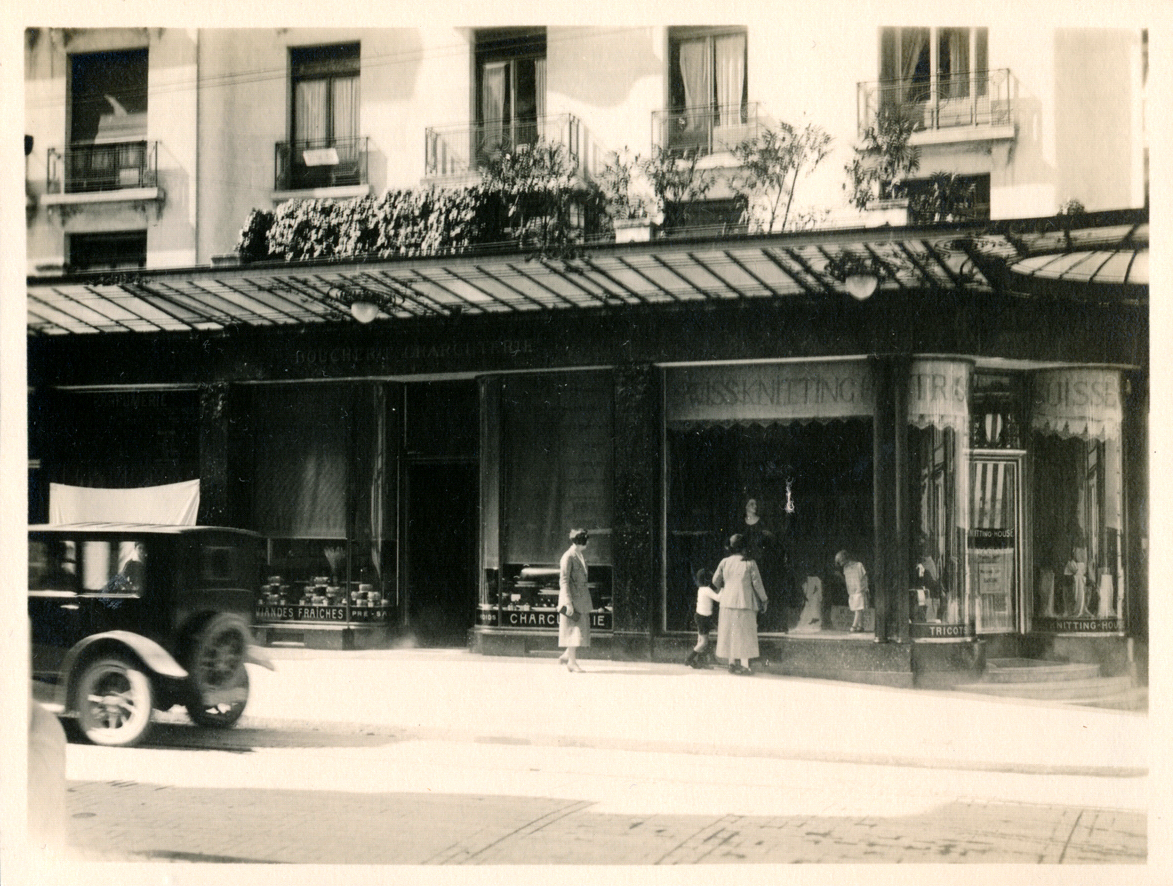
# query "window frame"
(328, 62)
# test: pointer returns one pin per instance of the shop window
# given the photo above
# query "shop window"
(1078, 501)
(811, 486)
(707, 87)
(511, 89)
(319, 498)
(936, 579)
(557, 474)
(107, 251)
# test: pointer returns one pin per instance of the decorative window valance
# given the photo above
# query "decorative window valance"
(938, 394)
(773, 392)
(1077, 403)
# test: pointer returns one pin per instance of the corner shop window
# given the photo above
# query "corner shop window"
(1078, 500)
(939, 419)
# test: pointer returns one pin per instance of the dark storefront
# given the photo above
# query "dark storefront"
(977, 441)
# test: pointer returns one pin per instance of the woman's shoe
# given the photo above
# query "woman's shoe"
(857, 629)
(574, 668)
(691, 659)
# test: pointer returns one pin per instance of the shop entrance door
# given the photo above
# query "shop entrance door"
(441, 551)
(995, 542)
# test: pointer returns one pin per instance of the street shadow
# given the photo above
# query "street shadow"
(244, 740)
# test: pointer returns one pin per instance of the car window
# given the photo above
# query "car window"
(113, 567)
(52, 565)
(217, 563)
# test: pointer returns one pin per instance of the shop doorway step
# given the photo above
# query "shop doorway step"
(1060, 681)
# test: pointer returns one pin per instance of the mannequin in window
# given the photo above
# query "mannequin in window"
(1076, 571)
(763, 545)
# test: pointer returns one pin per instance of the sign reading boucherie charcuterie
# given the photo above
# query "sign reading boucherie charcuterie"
(769, 392)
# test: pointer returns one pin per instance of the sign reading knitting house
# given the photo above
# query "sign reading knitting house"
(769, 392)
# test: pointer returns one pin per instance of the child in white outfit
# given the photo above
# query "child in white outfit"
(705, 598)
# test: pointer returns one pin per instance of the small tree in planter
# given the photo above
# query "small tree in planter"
(883, 159)
(677, 182)
(630, 198)
(771, 163)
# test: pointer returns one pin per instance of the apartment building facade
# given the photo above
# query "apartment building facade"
(973, 430)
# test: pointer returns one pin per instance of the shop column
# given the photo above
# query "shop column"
(215, 499)
(636, 504)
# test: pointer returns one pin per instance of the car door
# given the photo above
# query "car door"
(54, 602)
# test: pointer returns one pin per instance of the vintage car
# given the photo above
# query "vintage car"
(130, 618)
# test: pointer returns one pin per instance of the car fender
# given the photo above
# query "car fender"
(254, 655)
(154, 656)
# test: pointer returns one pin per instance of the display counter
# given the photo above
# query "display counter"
(526, 597)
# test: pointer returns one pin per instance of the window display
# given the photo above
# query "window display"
(320, 455)
(556, 454)
(313, 580)
(1079, 572)
(938, 452)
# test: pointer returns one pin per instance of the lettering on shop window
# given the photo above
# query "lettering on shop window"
(938, 387)
(1076, 393)
(452, 350)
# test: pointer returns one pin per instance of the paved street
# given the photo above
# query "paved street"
(428, 757)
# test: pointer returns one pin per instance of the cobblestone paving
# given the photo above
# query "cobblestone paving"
(125, 820)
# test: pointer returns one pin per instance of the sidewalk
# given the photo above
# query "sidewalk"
(454, 694)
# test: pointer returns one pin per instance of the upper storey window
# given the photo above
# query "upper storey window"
(511, 88)
(706, 83)
(325, 149)
(108, 97)
(921, 63)
(325, 94)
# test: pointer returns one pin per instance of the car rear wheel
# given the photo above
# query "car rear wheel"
(114, 700)
(219, 678)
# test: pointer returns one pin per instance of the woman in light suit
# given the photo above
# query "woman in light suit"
(742, 596)
(574, 600)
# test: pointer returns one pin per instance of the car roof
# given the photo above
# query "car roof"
(136, 529)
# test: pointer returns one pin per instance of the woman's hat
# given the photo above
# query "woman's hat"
(579, 536)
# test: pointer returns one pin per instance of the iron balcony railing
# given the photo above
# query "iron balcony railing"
(460, 150)
(82, 168)
(712, 129)
(320, 163)
(977, 98)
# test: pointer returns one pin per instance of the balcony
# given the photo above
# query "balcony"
(320, 163)
(91, 168)
(944, 107)
(458, 151)
(713, 129)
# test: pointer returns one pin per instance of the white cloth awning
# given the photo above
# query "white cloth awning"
(175, 504)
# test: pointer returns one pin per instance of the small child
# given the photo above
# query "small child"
(856, 579)
(705, 597)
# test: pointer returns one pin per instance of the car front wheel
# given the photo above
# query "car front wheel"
(114, 700)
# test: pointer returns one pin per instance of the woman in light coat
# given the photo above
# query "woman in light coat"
(742, 596)
(574, 600)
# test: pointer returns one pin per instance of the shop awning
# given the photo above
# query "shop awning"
(663, 272)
